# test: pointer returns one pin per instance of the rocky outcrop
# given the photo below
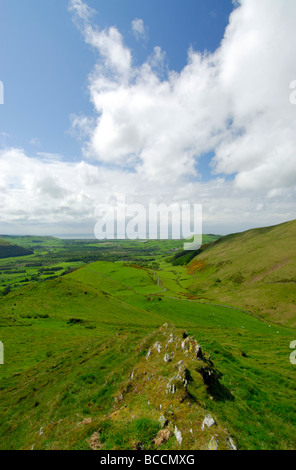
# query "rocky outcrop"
(169, 385)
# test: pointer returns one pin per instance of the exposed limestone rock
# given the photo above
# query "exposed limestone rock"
(181, 367)
(172, 338)
(208, 421)
(175, 362)
(213, 444)
(231, 444)
(167, 358)
(171, 387)
(148, 354)
(184, 344)
(190, 344)
(163, 421)
(175, 383)
(157, 346)
(178, 435)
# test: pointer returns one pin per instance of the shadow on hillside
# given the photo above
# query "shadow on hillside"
(215, 388)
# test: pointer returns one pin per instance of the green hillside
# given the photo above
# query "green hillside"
(31, 241)
(255, 270)
(85, 367)
(9, 250)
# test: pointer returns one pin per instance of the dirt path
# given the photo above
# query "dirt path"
(158, 283)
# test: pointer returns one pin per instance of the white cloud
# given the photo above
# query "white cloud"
(256, 69)
(139, 29)
(235, 102)
(109, 43)
(57, 197)
(81, 10)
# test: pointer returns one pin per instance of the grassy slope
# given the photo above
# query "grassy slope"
(255, 270)
(8, 249)
(30, 241)
(71, 345)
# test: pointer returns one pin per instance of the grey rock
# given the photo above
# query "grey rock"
(178, 435)
(157, 346)
(181, 368)
(172, 338)
(213, 444)
(171, 388)
(231, 444)
(208, 421)
(167, 358)
(184, 344)
(198, 351)
(148, 354)
(163, 421)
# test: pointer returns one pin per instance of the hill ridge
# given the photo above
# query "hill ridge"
(252, 270)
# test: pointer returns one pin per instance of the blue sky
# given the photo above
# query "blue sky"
(171, 100)
(45, 63)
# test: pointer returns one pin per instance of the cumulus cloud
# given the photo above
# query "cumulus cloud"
(256, 70)
(50, 196)
(233, 102)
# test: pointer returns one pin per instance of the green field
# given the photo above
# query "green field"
(76, 373)
(35, 259)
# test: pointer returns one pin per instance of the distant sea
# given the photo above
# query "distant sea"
(76, 236)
